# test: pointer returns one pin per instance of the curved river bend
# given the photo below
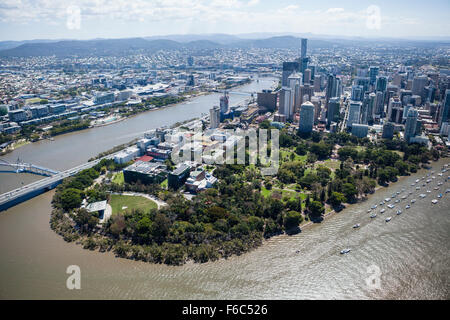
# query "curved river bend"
(411, 252)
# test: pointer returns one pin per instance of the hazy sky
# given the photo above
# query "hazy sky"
(83, 19)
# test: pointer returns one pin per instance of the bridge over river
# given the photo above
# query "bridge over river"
(33, 189)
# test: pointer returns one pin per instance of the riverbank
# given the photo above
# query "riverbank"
(367, 197)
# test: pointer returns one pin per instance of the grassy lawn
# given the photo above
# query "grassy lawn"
(118, 178)
(286, 153)
(285, 193)
(165, 184)
(117, 202)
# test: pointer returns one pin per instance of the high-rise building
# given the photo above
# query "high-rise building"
(371, 106)
(286, 107)
(304, 48)
(267, 101)
(418, 85)
(317, 83)
(288, 69)
(224, 103)
(306, 117)
(306, 93)
(360, 130)
(388, 130)
(214, 117)
(395, 110)
(333, 110)
(411, 123)
(444, 115)
(379, 102)
(354, 113)
(332, 88)
(295, 81)
(357, 93)
(307, 76)
(381, 83)
(373, 73)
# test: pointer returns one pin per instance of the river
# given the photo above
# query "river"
(411, 252)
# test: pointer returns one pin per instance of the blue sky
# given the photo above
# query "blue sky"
(87, 19)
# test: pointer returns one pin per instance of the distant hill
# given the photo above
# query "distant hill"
(118, 47)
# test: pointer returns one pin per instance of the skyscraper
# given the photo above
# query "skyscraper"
(304, 48)
(354, 113)
(418, 85)
(395, 110)
(388, 130)
(373, 72)
(411, 123)
(381, 84)
(214, 117)
(306, 117)
(288, 69)
(224, 100)
(333, 110)
(444, 115)
(286, 107)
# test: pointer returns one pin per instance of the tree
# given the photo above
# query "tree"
(292, 219)
(316, 209)
(336, 199)
(160, 227)
(86, 220)
(71, 198)
(349, 191)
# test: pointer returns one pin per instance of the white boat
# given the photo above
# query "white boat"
(388, 219)
(434, 201)
(422, 195)
(404, 197)
(399, 212)
(347, 250)
(439, 195)
(417, 188)
(407, 206)
(428, 191)
(374, 206)
(397, 201)
(369, 210)
(439, 183)
(382, 210)
(417, 180)
(391, 206)
(436, 188)
(381, 203)
(387, 199)
(373, 215)
(356, 226)
(447, 191)
(413, 200)
(413, 184)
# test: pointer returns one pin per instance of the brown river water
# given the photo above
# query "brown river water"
(410, 253)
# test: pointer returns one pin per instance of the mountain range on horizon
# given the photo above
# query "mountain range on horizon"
(105, 47)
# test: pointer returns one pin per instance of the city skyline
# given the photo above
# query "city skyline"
(27, 20)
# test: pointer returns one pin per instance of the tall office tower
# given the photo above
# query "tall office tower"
(332, 88)
(405, 96)
(294, 82)
(371, 107)
(306, 93)
(304, 48)
(405, 111)
(306, 117)
(388, 130)
(316, 101)
(362, 81)
(334, 106)
(418, 85)
(214, 117)
(381, 84)
(379, 110)
(313, 71)
(354, 113)
(307, 76)
(288, 69)
(395, 110)
(303, 65)
(317, 83)
(444, 114)
(373, 72)
(411, 123)
(429, 93)
(224, 103)
(357, 93)
(286, 103)
(365, 109)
